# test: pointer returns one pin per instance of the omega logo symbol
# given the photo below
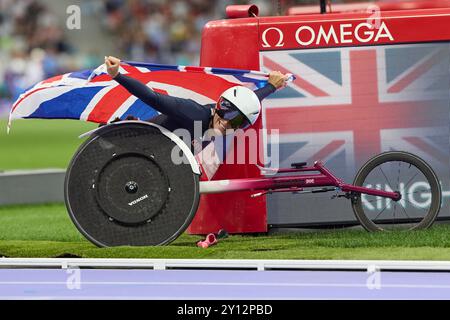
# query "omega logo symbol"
(329, 34)
(280, 42)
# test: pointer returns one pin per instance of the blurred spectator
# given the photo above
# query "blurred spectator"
(160, 31)
(31, 42)
(35, 46)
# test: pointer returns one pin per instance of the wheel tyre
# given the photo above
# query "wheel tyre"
(90, 214)
(429, 173)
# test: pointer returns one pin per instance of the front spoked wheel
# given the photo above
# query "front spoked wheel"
(405, 173)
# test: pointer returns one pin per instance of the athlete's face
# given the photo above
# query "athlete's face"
(221, 125)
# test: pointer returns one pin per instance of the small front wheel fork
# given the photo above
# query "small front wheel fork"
(398, 196)
(354, 197)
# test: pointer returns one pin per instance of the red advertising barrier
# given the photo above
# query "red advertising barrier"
(248, 43)
(353, 29)
(366, 6)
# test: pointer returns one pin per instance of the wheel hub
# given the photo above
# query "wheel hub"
(132, 188)
(398, 196)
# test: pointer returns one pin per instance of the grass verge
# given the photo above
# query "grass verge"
(40, 143)
(46, 231)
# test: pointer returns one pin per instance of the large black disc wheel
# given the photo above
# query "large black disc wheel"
(123, 189)
(401, 172)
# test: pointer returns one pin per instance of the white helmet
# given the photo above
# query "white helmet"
(240, 105)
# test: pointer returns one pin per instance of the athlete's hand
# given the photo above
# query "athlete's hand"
(277, 79)
(112, 66)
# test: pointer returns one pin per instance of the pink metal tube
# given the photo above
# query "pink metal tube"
(324, 179)
(373, 192)
(216, 186)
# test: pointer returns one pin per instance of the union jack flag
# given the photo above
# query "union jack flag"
(372, 98)
(348, 104)
(92, 95)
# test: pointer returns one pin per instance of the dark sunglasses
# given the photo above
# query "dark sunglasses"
(229, 112)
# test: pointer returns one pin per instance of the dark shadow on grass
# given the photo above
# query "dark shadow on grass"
(67, 255)
(184, 244)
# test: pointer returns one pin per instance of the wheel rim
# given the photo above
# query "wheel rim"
(413, 179)
(131, 188)
(101, 179)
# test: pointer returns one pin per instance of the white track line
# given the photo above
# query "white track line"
(261, 265)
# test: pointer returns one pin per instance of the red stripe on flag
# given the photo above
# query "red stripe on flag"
(52, 79)
(194, 79)
(298, 81)
(24, 97)
(130, 69)
(208, 85)
(101, 78)
(432, 151)
(195, 69)
(325, 151)
(414, 74)
(161, 91)
(108, 104)
(106, 77)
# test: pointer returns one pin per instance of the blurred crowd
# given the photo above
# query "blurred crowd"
(35, 43)
(33, 47)
(19, 43)
(164, 31)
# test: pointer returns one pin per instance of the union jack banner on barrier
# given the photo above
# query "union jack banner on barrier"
(92, 95)
(348, 104)
(351, 103)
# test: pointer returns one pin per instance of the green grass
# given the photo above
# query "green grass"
(35, 144)
(46, 231)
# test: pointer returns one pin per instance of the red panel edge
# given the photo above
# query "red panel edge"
(231, 44)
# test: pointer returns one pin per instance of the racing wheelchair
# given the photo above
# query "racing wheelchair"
(122, 187)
